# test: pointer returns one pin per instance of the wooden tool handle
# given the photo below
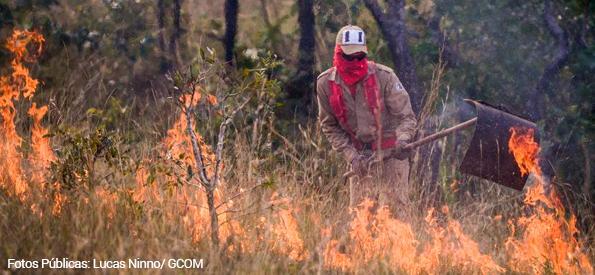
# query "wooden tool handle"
(441, 134)
(428, 139)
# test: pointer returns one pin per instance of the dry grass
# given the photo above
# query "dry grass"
(140, 200)
(308, 180)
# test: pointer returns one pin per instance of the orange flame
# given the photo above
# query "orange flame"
(188, 199)
(547, 238)
(42, 154)
(525, 150)
(543, 239)
(107, 201)
(19, 82)
(379, 237)
(282, 230)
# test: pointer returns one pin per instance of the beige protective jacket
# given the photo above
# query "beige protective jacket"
(397, 117)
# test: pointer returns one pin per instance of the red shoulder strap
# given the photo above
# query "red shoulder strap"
(373, 97)
(340, 111)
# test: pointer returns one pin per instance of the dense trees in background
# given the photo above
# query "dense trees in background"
(537, 58)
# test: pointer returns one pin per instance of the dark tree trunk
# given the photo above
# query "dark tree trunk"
(176, 32)
(307, 41)
(393, 28)
(164, 65)
(535, 102)
(231, 28)
(301, 84)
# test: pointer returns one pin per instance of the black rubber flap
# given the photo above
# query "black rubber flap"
(488, 156)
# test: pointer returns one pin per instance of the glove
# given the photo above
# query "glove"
(399, 151)
(359, 165)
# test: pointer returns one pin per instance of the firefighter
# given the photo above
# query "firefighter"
(366, 115)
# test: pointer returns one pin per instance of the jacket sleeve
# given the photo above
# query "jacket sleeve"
(399, 105)
(338, 138)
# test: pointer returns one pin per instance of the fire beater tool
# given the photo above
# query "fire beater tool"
(488, 155)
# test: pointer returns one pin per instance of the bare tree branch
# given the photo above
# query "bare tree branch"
(196, 150)
(221, 140)
(535, 102)
(209, 184)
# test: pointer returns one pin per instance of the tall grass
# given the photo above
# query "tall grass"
(307, 175)
(300, 206)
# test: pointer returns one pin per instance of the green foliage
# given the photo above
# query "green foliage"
(256, 81)
(81, 154)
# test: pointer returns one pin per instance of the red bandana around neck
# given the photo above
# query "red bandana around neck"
(350, 71)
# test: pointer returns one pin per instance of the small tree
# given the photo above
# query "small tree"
(208, 79)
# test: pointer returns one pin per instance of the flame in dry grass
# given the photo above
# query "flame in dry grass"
(42, 154)
(188, 199)
(281, 230)
(59, 199)
(541, 241)
(373, 237)
(546, 239)
(11, 175)
(20, 82)
(450, 243)
(379, 238)
(179, 144)
(287, 238)
(107, 201)
(25, 46)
